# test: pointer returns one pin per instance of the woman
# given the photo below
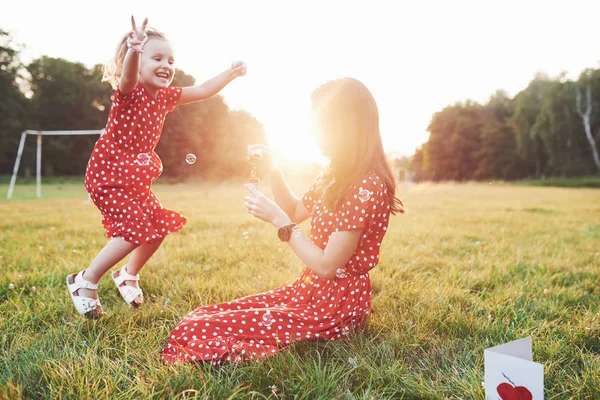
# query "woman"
(349, 206)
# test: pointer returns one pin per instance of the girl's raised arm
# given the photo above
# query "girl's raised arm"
(131, 63)
(212, 86)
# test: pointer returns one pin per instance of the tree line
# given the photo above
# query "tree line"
(549, 129)
(56, 94)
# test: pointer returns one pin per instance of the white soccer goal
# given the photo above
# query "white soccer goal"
(38, 168)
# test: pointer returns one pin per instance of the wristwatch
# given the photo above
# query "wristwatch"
(285, 232)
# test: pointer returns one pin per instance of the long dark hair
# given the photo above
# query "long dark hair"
(348, 121)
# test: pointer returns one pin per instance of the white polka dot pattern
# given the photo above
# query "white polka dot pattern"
(123, 165)
(255, 327)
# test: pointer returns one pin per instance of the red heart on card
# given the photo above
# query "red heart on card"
(506, 391)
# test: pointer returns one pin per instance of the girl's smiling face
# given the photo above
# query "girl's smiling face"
(157, 65)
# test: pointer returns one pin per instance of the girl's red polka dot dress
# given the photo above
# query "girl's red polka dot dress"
(255, 327)
(123, 166)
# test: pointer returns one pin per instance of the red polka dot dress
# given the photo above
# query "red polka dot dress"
(123, 166)
(311, 308)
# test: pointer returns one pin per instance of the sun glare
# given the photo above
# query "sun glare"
(292, 142)
(286, 119)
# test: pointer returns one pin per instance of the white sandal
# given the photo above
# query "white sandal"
(86, 306)
(128, 293)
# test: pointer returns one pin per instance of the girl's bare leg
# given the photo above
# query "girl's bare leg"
(114, 251)
(138, 259)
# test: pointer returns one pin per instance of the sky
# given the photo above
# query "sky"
(416, 57)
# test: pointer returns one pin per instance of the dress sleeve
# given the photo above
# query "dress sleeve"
(171, 96)
(124, 100)
(362, 205)
(310, 197)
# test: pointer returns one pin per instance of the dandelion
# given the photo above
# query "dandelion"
(33, 289)
(546, 291)
(11, 286)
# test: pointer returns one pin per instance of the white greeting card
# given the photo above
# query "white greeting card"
(511, 374)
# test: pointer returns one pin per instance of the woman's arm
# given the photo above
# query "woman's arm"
(337, 253)
(131, 64)
(323, 262)
(284, 197)
(212, 86)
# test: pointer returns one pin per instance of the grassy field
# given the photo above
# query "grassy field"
(592, 181)
(468, 267)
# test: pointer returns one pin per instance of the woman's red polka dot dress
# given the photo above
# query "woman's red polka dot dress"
(255, 327)
(123, 166)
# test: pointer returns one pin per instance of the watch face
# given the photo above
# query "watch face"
(284, 234)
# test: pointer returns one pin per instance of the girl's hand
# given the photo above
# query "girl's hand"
(137, 37)
(238, 68)
(264, 208)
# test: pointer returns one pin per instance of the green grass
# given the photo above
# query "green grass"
(591, 181)
(468, 267)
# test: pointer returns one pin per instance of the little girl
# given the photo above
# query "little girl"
(123, 163)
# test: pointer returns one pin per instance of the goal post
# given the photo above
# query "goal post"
(38, 162)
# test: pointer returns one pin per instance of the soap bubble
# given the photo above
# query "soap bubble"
(245, 235)
(190, 158)
(143, 159)
(364, 195)
(267, 319)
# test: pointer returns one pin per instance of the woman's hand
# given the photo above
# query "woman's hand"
(264, 208)
(238, 68)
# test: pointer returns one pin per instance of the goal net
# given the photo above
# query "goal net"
(38, 163)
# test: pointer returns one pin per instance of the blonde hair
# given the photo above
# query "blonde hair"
(113, 69)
